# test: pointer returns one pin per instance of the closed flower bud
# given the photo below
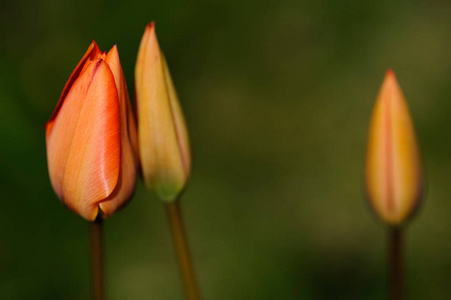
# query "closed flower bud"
(393, 167)
(163, 137)
(91, 138)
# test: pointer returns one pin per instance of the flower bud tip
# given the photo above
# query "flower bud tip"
(389, 72)
(151, 25)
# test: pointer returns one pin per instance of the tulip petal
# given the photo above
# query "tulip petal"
(83, 141)
(92, 52)
(142, 53)
(129, 148)
(114, 63)
(393, 171)
(179, 121)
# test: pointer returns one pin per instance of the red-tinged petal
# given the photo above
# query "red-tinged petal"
(393, 171)
(129, 148)
(112, 59)
(92, 52)
(127, 117)
(161, 158)
(83, 142)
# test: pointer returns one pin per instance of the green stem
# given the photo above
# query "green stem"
(395, 261)
(96, 240)
(182, 251)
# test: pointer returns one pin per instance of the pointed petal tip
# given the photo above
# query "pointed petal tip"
(389, 73)
(149, 42)
(150, 25)
(112, 51)
(390, 79)
(150, 28)
(94, 45)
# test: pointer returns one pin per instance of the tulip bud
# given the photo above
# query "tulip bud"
(393, 168)
(91, 138)
(163, 137)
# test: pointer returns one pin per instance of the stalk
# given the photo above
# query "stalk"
(97, 275)
(182, 251)
(395, 264)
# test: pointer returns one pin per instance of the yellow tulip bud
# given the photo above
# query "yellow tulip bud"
(393, 166)
(163, 137)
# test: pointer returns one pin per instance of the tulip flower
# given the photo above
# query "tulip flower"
(91, 138)
(394, 179)
(163, 137)
(393, 168)
(163, 144)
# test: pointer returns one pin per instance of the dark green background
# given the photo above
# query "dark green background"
(277, 96)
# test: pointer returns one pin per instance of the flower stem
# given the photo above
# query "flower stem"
(395, 263)
(182, 251)
(96, 239)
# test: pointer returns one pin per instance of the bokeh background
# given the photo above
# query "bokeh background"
(277, 96)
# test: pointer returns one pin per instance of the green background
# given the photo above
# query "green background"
(277, 97)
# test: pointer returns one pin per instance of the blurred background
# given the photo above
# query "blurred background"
(277, 96)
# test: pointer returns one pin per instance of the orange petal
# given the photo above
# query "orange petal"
(127, 116)
(83, 141)
(393, 168)
(129, 148)
(92, 52)
(164, 150)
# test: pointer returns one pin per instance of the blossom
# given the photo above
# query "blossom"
(394, 179)
(91, 138)
(163, 137)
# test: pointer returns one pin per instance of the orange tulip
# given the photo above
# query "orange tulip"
(393, 167)
(163, 137)
(91, 138)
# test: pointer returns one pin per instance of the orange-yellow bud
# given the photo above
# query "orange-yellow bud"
(91, 138)
(393, 166)
(163, 137)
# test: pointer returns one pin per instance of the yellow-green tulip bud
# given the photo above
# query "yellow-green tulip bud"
(163, 137)
(394, 179)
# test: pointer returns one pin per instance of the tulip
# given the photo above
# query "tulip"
(91, 138)
(163, 137)
(393, 168)
(163, 145)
